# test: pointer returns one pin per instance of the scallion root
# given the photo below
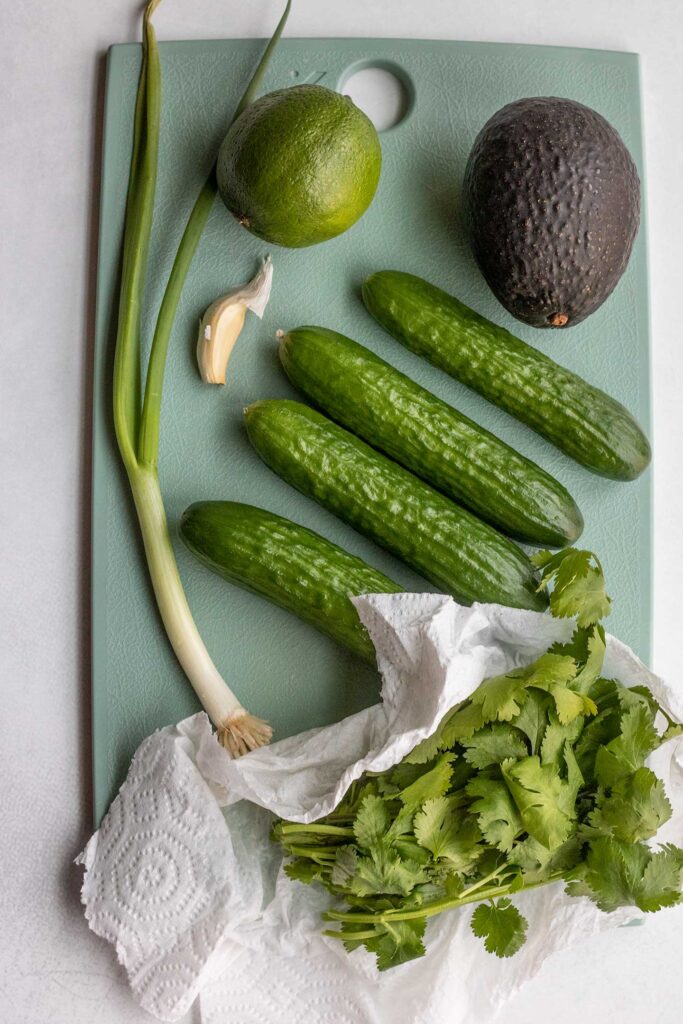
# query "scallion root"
(241, 732)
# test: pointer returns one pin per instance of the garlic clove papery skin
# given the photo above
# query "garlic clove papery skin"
(221, 325)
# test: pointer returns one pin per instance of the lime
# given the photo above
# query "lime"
(299, 165)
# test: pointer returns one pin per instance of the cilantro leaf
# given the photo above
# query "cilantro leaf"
(500, 697)
(459, 723)
(402, 775)
(301, 870)
(349, 929)
(661, 884)
(673, 729)
(463, 724)
(622, 755)
(609, 873)
(462, 773)
(644, 693)
(596, 734)
(549, 562)
(426, 750)
(676, 852)
(569, 705)
(579, 586)
(617, 874)
(372, 821)
(576, 647)
(585, 597)
(402, 824)
(384, 872)
(537, 861)
(397, 942)
(551, 670)
(351, 799)
(605, 693)
(436, 823)
(408, 849)
(555, 737)
(447, 833)
(499, 820)
(635, 808)
(635, 697)
(533, 718)
(552, 673)
(344, 867)
(593, 662)
(429, 784)
(493, 744)
(539, 795)
(501, 926)
(570, 791)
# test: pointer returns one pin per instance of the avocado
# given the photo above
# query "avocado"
(552, 206)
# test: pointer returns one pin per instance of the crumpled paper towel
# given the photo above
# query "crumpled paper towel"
(183, 879)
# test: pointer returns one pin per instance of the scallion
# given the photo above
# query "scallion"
(137, 423)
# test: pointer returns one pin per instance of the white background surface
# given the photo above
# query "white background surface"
(52, 970)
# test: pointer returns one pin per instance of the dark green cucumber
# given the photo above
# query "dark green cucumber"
(436, 442)
(582, 421)
(291, 566)
(456, 551)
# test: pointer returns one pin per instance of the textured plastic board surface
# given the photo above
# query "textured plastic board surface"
(282, 668)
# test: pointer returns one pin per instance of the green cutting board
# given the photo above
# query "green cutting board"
(281, 668)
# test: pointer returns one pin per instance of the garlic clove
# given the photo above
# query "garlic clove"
(223, 321)
(218, 333)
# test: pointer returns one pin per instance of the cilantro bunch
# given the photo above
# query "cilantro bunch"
(538, 777)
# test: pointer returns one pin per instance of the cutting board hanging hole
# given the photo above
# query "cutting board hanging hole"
(382, 91)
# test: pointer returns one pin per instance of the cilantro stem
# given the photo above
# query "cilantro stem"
(673, 728)
(316, 853)
(432, 909)
(327, 830)
(369, 933)
(483, 881)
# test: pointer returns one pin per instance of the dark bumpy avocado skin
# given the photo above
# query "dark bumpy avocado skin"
(552, 206)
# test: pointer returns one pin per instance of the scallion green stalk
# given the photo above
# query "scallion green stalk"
(137, 428)
(148, 444)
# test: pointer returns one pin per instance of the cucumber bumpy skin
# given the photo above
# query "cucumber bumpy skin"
(288, 564)
(436, 442)
(450, 547)
(579, 419)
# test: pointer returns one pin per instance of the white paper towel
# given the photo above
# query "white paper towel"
(182, 877)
